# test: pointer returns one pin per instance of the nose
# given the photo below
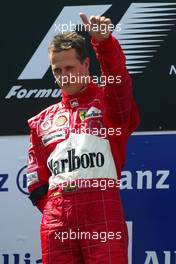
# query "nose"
(65, 72)
(65, 78)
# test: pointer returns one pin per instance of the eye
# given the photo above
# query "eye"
(57, 71)
(70, 67)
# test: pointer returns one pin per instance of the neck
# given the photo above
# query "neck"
(82, 89)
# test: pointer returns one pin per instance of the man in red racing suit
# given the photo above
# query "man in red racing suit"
(82, 140)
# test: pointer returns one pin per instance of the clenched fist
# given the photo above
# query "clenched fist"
(98, 27)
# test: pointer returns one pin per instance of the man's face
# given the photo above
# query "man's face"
(67, 69)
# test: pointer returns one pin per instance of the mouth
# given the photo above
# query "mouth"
(67, 84)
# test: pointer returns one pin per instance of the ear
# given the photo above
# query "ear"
(49, 57)
(87, 63)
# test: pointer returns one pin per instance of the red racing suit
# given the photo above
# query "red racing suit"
(83, 138)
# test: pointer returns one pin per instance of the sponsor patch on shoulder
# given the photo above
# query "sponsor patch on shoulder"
(32, 177)
(46, 124)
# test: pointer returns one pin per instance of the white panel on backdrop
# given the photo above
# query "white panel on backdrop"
(20, 221)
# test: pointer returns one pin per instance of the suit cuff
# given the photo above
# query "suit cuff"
(104, 45)
(41, 203)
(38, 193)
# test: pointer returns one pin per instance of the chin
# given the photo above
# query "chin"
(71, 89)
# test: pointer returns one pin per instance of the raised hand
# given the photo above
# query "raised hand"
(98, 27)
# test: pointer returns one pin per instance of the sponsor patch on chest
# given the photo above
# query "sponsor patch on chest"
(50, 138)
(93, 112)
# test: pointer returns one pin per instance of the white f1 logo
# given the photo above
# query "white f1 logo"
(150, 19)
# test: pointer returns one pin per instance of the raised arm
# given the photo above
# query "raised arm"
(119, 106)
(118, 89)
